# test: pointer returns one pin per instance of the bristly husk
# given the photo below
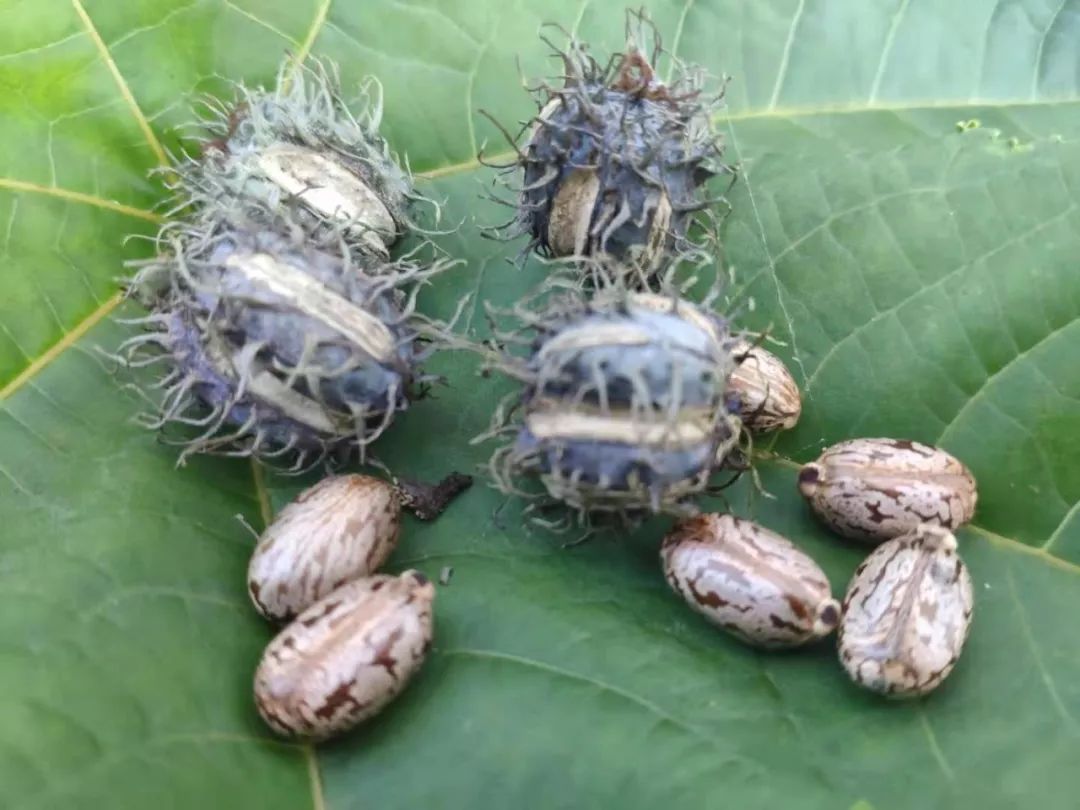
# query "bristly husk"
(301, 141)
(622, 411)
(276, 344)
(616, 161)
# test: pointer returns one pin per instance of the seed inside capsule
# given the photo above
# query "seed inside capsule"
(571, 213)
(624, 408)
(749, 581)
(875, 489)
(332, 190)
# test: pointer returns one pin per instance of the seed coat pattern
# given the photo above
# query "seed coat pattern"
(768, 396)
(749, 581)
(346, 657)
(907, 612)
(342, 528)
(875, 489)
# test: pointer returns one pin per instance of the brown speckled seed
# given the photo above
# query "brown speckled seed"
(906, 614)
(749, 581)
(342, 528)
(875, 489)
(768, 396)
(344, 658)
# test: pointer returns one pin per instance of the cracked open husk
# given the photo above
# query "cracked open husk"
(622, 408)
(616, 161)
(301, 142)
(273, 344)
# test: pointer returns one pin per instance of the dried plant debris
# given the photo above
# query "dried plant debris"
(622, 410)
(301, 142)
(615, 161)
(277, 345)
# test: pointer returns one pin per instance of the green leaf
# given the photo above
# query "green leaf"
(920, 270)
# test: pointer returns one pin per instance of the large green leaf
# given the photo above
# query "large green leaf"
(923, 276)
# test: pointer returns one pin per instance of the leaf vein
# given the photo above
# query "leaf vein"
(121, 83)
(923, 290)
(676, 40)
(322, 12)
(1040, 53)
(61, 345)
(935, 748)
(630, 697)
(785, 56)
(769, 259)
(273, 29)
(977, 396)
(1036, 655)
(1073, 510)
(886, 49)
(78, 196)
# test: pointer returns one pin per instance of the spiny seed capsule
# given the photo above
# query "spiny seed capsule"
(623, 408)
(345, 657)
(275, 345)
(302, 142)
(616, 160)
(767, 394)
(907, 613)
(874, 489)
(749, 581)
(341, 529)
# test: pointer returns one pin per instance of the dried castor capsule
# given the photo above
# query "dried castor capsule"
(768, 396)
(749, 581)
(623, 408)
(276, 346)
(302, 142)
(907, 613)
(616, 160)
(874, 489)
(346, 657)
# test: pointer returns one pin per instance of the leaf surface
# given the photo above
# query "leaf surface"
(921, 276)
